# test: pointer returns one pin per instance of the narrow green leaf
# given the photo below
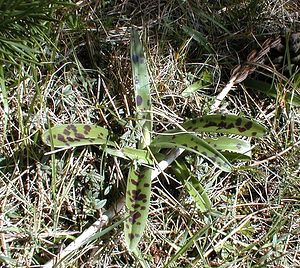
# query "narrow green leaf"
(193, 186)
(185, 247)
(270, 90)
(198, 193)
(228, 124)
(139, 155)
(137, 203)
(75, 135)
(231, 148)
(192, 143)
(200, 38)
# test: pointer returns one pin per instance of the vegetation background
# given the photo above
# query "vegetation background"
(69, 62)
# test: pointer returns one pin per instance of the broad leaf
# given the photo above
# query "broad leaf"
(228, 124)
(231, 148)
(192, 143)
(137, 203)
(142, 88)
(72, 135)
(139, 178)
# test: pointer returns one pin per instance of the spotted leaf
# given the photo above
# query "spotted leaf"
(194, 144)
(228, 124)
(142, 88)
(75, 135)
(231, 148)
(139, 177)
(137, 203)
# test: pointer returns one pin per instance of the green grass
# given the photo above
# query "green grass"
(65, 63)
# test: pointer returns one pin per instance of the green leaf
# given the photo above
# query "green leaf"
(270, 90)
(200, 38)
(198, 193)
(192, 143)
(139, 155)
(139, 178)
(206, 80)
(137, 203)
(186, 246)
(192, 89)
(231, 148)
(72, 135)
(193, 186)
(142, 89)
(228, 124)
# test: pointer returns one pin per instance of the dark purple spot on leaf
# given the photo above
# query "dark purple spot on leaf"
(66, 132)
(73, 127)
(135, 58)
(146, 185)
(135, 205)
(222, 124)
(212, 158)
(238, 122)
(134, 217)
(135, 182)
(70, 139)
(254, 134)
(87, 129)
(131, 236)
(229, 126)
(61, 137)
(79, 136)
(139, 100)
(143, 207)
(242, 129)
(248, 125)
(137, 195)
